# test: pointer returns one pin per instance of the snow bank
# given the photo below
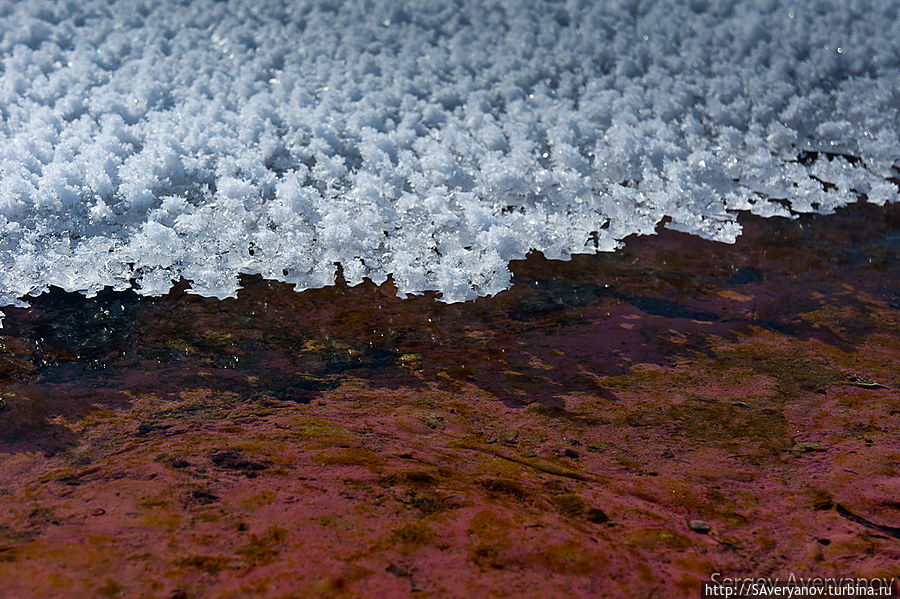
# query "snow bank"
(143, 141)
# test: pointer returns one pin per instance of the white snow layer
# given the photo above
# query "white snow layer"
(144, 141)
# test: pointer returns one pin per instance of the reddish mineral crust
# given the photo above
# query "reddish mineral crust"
(560, 439)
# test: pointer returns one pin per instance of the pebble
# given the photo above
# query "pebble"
(699, 526)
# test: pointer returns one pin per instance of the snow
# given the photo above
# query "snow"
(433, 142)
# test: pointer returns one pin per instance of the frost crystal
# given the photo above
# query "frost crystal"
(431, 141)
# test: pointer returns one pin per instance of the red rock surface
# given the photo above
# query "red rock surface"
(557, 440)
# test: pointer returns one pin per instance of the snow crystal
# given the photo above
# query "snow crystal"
(433, 142)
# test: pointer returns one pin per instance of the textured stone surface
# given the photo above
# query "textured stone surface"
(558, 439)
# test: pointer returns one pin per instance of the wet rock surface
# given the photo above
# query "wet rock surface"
(618, 425)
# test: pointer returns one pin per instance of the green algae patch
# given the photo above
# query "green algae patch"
(573, 506)
(110, 588)
(569, 557)
(325, 432)
(263, 549)
(354, 456)
(258, 499)
(56, 474)
(544, 465)
(210, 564)
(411, 478)
(762, 434)
(414, 534)
(793, 375)
(502, 486)
(656, 538)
